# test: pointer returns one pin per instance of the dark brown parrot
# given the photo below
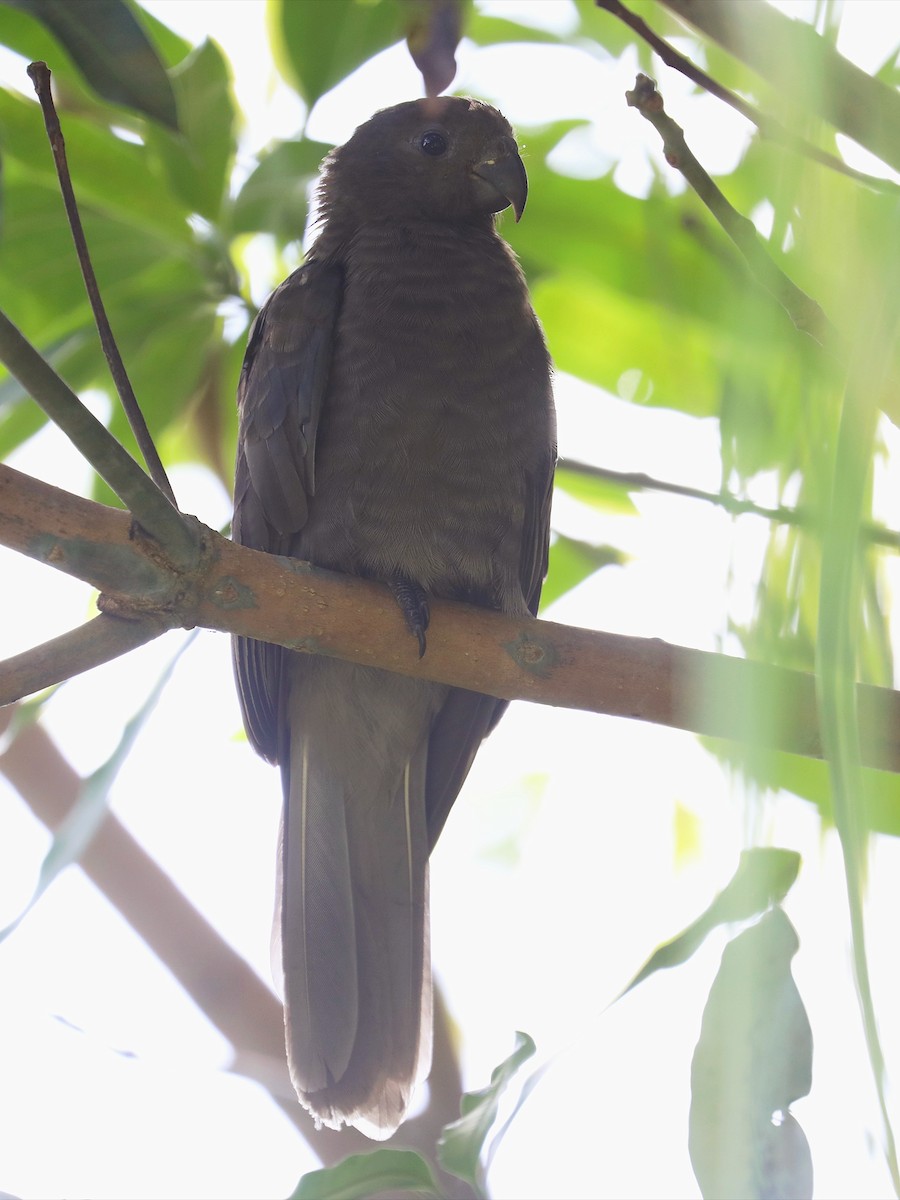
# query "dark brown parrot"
(396, 422)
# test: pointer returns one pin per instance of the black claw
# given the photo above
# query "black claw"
(414, 605)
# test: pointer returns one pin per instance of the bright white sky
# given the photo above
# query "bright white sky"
(536, 934)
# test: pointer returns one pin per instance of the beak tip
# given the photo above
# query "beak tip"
(507, 183)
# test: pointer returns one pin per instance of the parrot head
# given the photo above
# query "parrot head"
(441, 159)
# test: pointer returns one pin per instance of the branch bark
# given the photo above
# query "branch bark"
(294, 604)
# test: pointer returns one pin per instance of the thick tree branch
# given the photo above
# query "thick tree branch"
(111, 461)
(97, 641)
(802, 309)
(293, 604)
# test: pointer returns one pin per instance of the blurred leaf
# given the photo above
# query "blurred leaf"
(889, 71)
(489, 31)
(571, 562)
(364, 1175)
(841, 608)
(627, 346)
(18, 423)
(432, 34)
(508, 818)
(86, 815)
(321, 52)
(170, 46)
(805, 70)
(614, 35)
(602, 494)
(764, 877)
(161, 296)
(198, 162)
(688, 830)
(274, 197)
(209, 432)
(59, 354)
(164, 366)
(461, 1143)
(809, 779)
(752, 1061)
(108, 44)
(108, 173)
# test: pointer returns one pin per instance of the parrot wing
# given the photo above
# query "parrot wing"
(280, 394)
(466, 718)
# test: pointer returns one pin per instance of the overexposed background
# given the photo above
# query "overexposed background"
(543, 905)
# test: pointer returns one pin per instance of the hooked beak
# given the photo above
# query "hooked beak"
(504, 179)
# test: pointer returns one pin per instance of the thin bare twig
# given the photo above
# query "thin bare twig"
(638, 481)
(39, 73)
(802, 309)
(768, 126)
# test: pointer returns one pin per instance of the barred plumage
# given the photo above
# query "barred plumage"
(396, 422)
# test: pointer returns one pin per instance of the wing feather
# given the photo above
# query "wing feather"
(281, 391)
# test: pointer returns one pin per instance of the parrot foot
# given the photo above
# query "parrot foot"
(414, 605)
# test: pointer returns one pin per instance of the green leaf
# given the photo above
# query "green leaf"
(171, 46)
(837, 649)
(490, 31)
(364, 1175)
(112, 175)
(626, 346)
(763, 878)
(809, 778)
(161, 296)
(198, 161)
(111, 49)
(88, 812)
(59, 354)
(614, 35)
(571, 562)
(274, 199)
(752, 1061)
(18, 423)
(318, 52)
(461, 1143)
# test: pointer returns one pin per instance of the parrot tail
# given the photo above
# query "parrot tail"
(354, 900)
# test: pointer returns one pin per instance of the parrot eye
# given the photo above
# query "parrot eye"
(433, 143)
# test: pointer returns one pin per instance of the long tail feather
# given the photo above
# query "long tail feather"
(354, 903)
